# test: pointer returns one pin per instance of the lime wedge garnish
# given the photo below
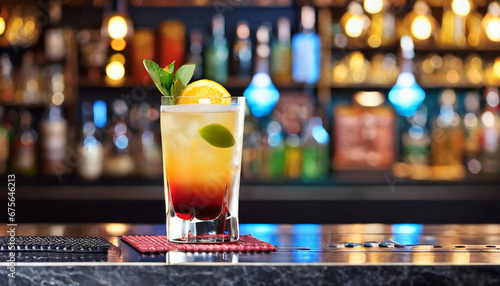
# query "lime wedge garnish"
(217, 135)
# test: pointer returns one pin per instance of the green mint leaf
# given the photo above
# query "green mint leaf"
(166, 76)
(166, 79)
(217, 135)
(185, 73)
(156, 72)
(176, 88)
(170, 68)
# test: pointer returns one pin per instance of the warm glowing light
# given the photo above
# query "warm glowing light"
(473, 39)
(115, 70)
(17, 23)
(117, 27)
(421, 28)
(340, 73)
(493, 30)
(474, 75)
(58, 98)
(2, 25)
(357, 258)
(427, 66)
(117, 58)
(496, 68)
(356, 62)
(354, 26)
(460, 257)
(369, 98)
(373, 6)
(116, 228)
(460, 7)
(452, 76)
(29, 26)
(374, 41)
(118, 44)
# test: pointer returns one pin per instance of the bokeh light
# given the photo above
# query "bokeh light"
(354, 26)
(460, 7)
(117, 27)
(2, 25)
(421, 28)
(373, 6)
(115, 70)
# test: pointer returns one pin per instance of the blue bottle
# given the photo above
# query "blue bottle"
(306, 49)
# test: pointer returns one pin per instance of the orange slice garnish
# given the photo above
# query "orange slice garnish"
(204, 91)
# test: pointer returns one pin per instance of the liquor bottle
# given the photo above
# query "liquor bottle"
(118, 162)
(53, 141)
(30, 92)
(306, 49)
(172, 43)
(416, 140)
(195, 52)
(261, 94)
(147, 153)
(89, 148)
(273, 151)
(315, 147)
(251, 164)
(475, 34)
(24, 155)
(143, 47)
(217, 52)
(281, 53)
(54, 127)
(4, 143)
(6, 77)
(406, 95)
(364, 133)
(382, 29)
(242, 51)
(447, 145)
(60, 52)
(263, 49)
(472, 132)
(293, 157)
(55, 49)
(490, 129)
(452, 28)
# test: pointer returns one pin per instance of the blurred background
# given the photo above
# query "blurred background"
(359, 111)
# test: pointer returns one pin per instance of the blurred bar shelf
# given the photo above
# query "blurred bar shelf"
(232, 82)
(396, 190)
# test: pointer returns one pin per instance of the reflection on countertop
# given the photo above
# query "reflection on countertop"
(353, 244)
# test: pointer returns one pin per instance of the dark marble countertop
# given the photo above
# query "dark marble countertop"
(307, 255)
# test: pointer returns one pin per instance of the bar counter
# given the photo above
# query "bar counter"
(306, 255)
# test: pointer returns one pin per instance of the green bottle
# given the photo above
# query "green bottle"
(273, 152)
(217, 52)
(315, 148)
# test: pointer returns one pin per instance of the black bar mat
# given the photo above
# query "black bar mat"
(54, 244)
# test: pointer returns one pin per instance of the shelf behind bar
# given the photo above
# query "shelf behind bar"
(237, 83)
(261, 192)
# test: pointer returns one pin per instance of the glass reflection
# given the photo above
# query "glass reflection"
(265, 232)
(406, 233)
(309, 236)
(183, 257)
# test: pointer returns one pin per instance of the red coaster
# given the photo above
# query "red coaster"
(160, 243)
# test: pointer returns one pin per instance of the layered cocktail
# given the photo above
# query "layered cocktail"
(201, 134)
(201, 160)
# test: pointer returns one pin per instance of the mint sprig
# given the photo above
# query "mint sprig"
(168, 83)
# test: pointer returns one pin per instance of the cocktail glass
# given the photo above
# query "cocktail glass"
(202, 181)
